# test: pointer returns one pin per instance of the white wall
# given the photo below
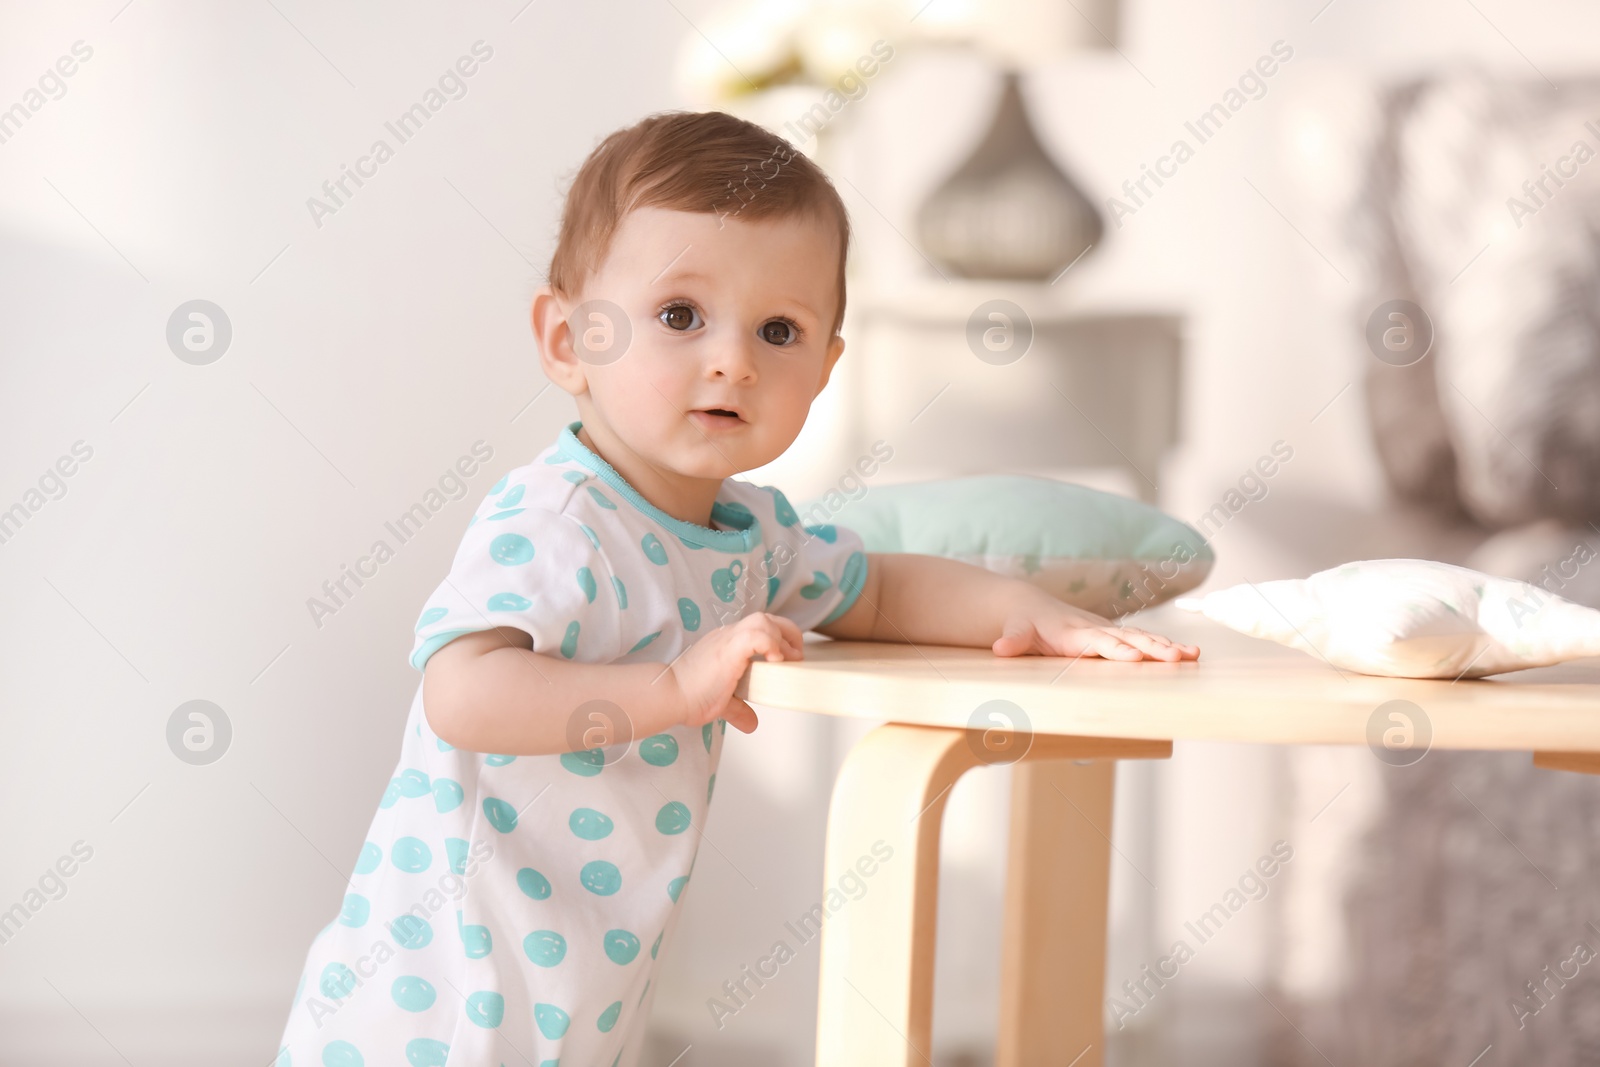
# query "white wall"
(369, 353)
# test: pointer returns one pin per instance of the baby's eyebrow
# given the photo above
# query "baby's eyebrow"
(670, 277)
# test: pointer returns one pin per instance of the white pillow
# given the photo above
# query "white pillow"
(1409, 618)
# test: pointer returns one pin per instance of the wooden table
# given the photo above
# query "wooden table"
(876, 1003)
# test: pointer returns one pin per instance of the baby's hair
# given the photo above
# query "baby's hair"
(707, 161)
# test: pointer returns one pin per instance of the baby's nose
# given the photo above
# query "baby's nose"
(733, 357)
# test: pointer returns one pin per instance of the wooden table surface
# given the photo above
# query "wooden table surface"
(875, 999)
(1240, 689)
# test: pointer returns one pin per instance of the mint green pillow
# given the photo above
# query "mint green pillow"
(1098, 551)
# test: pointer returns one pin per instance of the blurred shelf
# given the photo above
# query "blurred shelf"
(936, 301)
(1092, 384)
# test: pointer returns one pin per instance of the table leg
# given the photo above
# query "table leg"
(875, 1005)
(1053, 946)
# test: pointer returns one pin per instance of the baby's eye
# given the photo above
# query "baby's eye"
(680, 317)
(779, 332)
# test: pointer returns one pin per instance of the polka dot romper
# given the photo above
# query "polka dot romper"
(511, 909)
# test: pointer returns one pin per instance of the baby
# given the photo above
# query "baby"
(579, 661)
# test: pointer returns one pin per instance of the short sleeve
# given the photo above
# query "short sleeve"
(821, 568)
(531, 569)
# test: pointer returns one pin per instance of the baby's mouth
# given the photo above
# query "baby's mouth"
(716, 418)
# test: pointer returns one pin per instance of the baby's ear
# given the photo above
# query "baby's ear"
(554, 339)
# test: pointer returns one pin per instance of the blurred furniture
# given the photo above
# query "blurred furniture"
(1477, 207)
(1476, 202)
(875, 1006)
(1056, 384)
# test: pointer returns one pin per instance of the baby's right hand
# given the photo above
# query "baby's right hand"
(707, 674)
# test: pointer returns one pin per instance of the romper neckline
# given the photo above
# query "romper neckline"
(743, 537)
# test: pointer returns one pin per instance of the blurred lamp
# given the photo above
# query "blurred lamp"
(1010, 211)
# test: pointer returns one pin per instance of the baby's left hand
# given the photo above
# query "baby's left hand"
(1049, 627)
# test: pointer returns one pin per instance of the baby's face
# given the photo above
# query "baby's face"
(724, 314)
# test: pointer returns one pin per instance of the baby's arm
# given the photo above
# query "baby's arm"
(932, 600)
(490, 692)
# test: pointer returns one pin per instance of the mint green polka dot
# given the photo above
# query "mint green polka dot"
(426, 1052)
(509, 602)
(444, 746)
(645, 640)
(673, 818)
(545, 947)
(725, 581)
(355, 910)
(447, 794)
(371, 856)
(533, 884)
(820, 583)
(587, 763)
(431, 616)
(772, 589)
(498, 759)
(711, 783)
(342, 1054)
(689, 612)
(854, 576)
(589, 824)
(653, 549)
(511, 550)
(569, 642)
(733, 513)
(656, 945)
(337, 980)
(826, 531)
(780, 505)
(621, 946)
(600, 877)
(501, 816)
(705, 735)
(506, 514)
(587, 583)
(411, 931)
(575, 477)
(659, 751)
(455, 851)
(513, 498)
(486, 1009)
(594, 538)
(413, 783)
(600, 498)
(552, 1021)
(411, 855)
(475, 940)
(675, 887)
(499, 487)
(413, 993)
(608, 1018)
(621, 591)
